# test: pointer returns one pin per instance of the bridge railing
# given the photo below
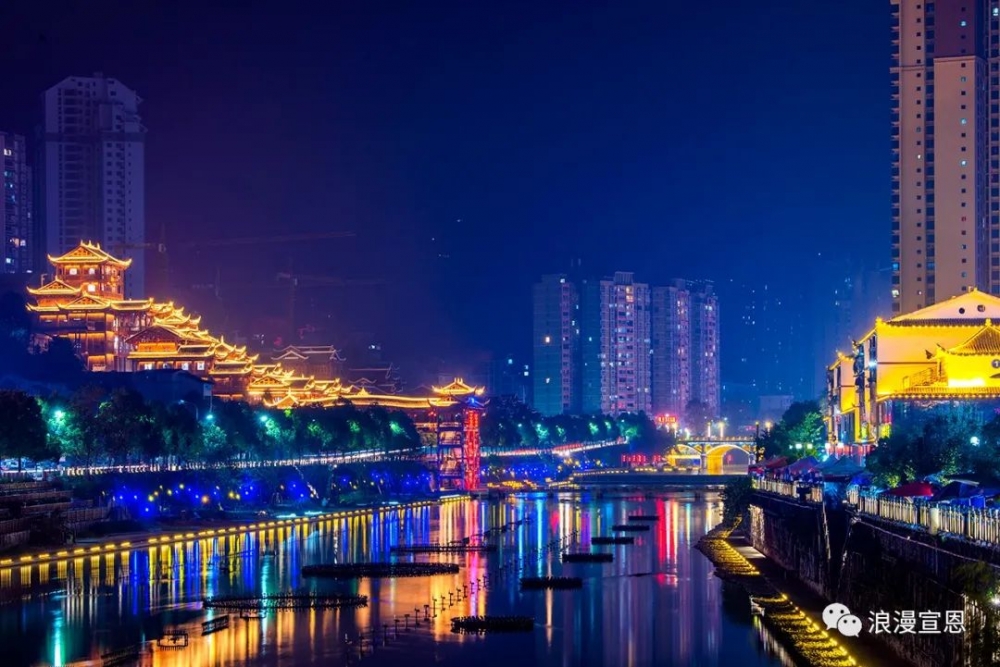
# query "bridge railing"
(808, 492)
(973, 523)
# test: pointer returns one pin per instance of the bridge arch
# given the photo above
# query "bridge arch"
(728, 457)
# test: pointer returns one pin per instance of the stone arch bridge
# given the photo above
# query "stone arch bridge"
(713, 454)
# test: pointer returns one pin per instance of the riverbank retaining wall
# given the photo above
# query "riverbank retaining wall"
(872, 566)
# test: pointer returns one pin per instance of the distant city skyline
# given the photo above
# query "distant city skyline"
(618, 344)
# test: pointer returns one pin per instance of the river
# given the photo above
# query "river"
(658, 603)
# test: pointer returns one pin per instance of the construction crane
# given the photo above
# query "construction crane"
(296, 280)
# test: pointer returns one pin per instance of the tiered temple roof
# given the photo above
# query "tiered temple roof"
(151, 334)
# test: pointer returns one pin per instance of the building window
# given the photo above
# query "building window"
(964, 121)
(201, 366)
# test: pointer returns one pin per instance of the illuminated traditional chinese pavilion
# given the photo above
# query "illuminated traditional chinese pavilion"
(85, 303)
(946, 353)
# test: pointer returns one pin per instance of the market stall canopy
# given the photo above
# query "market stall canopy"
(842, 468)
(775, 462)
(803, 465)
(912, 490)
(957, 489)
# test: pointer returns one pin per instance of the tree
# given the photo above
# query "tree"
(125, 425)
(947, 440)
(979, 582)
(802, 424)
(82, 437)
(22, 429)
(181, 433)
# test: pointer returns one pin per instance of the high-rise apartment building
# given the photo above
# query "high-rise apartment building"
(671, 333)
(705, 381)
(18, 251)
(945, 135)
(92, 146)
(685, 326)
(556, 335)
(616, 317)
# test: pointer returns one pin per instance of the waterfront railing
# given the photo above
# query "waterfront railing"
(976, 524)
(804, 491)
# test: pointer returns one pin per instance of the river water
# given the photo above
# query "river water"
(658, 603)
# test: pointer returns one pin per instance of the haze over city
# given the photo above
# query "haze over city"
(474, 148)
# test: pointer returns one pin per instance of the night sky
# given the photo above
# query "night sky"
(473, 146)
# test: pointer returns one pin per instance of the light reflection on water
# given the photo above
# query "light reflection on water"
(658, 603)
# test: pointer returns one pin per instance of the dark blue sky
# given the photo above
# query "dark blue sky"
(726, 140)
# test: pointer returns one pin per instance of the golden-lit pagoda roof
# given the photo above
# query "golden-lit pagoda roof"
(969, 308)
(458, 388)
(130, 304)
(85, 302)
(986, 341)
(89, 253)
(54, 288)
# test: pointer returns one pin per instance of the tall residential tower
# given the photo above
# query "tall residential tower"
(92, 150)
(18, 252)
(556, 335)
(945, 135)
(617, 348)
(685, 350)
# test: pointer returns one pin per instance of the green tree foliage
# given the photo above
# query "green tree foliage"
(979, 582)
(22, 429)
(510, 424)
(95, 427)
(126, 427)
(801, 424)
(948, 440)
(736, 499)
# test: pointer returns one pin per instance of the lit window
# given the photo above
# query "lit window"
(91, 287)
(201, 365)
(996, 11)
(963, 23)
(7, 152)
(965, 121)
(964, 163)
(962, 79)
(548, 339)
(185, 366)
(72, 272)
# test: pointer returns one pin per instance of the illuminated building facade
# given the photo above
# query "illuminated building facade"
(617, 356)
(945, 78)
(940, 354)
(320, 361)
(85, 303)
(17, 224)
(91, 171)
(555, 339)
(685, 347)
